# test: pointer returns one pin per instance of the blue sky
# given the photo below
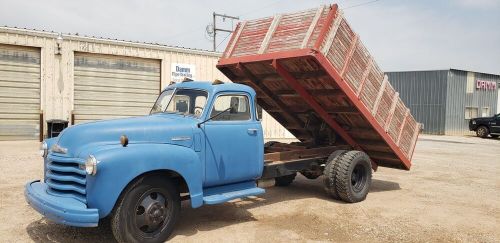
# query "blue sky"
(401, 34)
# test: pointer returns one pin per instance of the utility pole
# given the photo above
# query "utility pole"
(215, 29)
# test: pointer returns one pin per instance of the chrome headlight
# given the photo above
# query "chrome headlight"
(44, 149)
(91, 165)
(474, 122)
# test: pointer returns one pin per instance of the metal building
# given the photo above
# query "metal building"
(445, 100)
(44, 75)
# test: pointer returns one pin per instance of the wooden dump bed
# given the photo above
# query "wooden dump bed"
(314, 76)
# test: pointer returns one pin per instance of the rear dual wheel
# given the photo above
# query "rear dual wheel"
(348, 176)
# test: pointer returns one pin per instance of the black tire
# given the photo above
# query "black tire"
(330, 174)
(482, 132)
(284, 180)
(142, 203)
(350, 173)
(494, 136)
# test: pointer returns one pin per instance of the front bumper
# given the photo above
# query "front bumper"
(61, 210)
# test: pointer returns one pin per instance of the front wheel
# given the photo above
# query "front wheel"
(482, 132)
(147, 211)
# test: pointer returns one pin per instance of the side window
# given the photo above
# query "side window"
(237, 108)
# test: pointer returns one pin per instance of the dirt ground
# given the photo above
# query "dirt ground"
(452, 194)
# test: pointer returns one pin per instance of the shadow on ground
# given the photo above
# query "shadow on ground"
(206, 218)
(45, 231)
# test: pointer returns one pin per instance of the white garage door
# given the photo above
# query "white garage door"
(19, 93)
(109, 87)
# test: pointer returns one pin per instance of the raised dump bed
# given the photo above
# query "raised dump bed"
(312, 74)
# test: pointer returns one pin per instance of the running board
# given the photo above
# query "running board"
(220, 194)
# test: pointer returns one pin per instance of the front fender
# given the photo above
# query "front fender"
(118, 166)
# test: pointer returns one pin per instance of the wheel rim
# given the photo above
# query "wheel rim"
(358, 178)
(152, 212)
(481, 131)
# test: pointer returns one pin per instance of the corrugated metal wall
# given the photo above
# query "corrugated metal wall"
(424, 93)
(458, 99)
(274, 131)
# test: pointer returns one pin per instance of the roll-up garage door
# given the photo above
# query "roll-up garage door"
(19, 93)
(109, 86)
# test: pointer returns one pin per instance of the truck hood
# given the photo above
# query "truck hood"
(482, 119)
(158, 128)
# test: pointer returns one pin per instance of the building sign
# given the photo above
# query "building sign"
(486, 85)
(181, 71)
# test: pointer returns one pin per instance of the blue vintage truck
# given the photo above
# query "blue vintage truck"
(203, 141)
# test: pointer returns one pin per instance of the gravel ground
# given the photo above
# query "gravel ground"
(452, 194)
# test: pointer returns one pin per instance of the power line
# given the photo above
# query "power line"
(222, 41)
(258, 9)
(361, 4)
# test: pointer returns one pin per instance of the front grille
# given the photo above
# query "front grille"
(65, 178)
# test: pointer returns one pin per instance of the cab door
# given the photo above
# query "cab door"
(232, 139)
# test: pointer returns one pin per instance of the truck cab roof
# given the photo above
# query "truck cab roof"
(213, 88)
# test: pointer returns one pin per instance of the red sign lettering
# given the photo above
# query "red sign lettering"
(486, 85)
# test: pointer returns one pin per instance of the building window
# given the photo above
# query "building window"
(470, 112)
(470, 82)
(485, 112)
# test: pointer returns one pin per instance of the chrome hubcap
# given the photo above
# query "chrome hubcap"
(151, 212)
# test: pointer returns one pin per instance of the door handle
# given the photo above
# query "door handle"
(252, 131)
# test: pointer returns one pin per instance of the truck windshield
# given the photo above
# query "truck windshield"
(183, 101)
